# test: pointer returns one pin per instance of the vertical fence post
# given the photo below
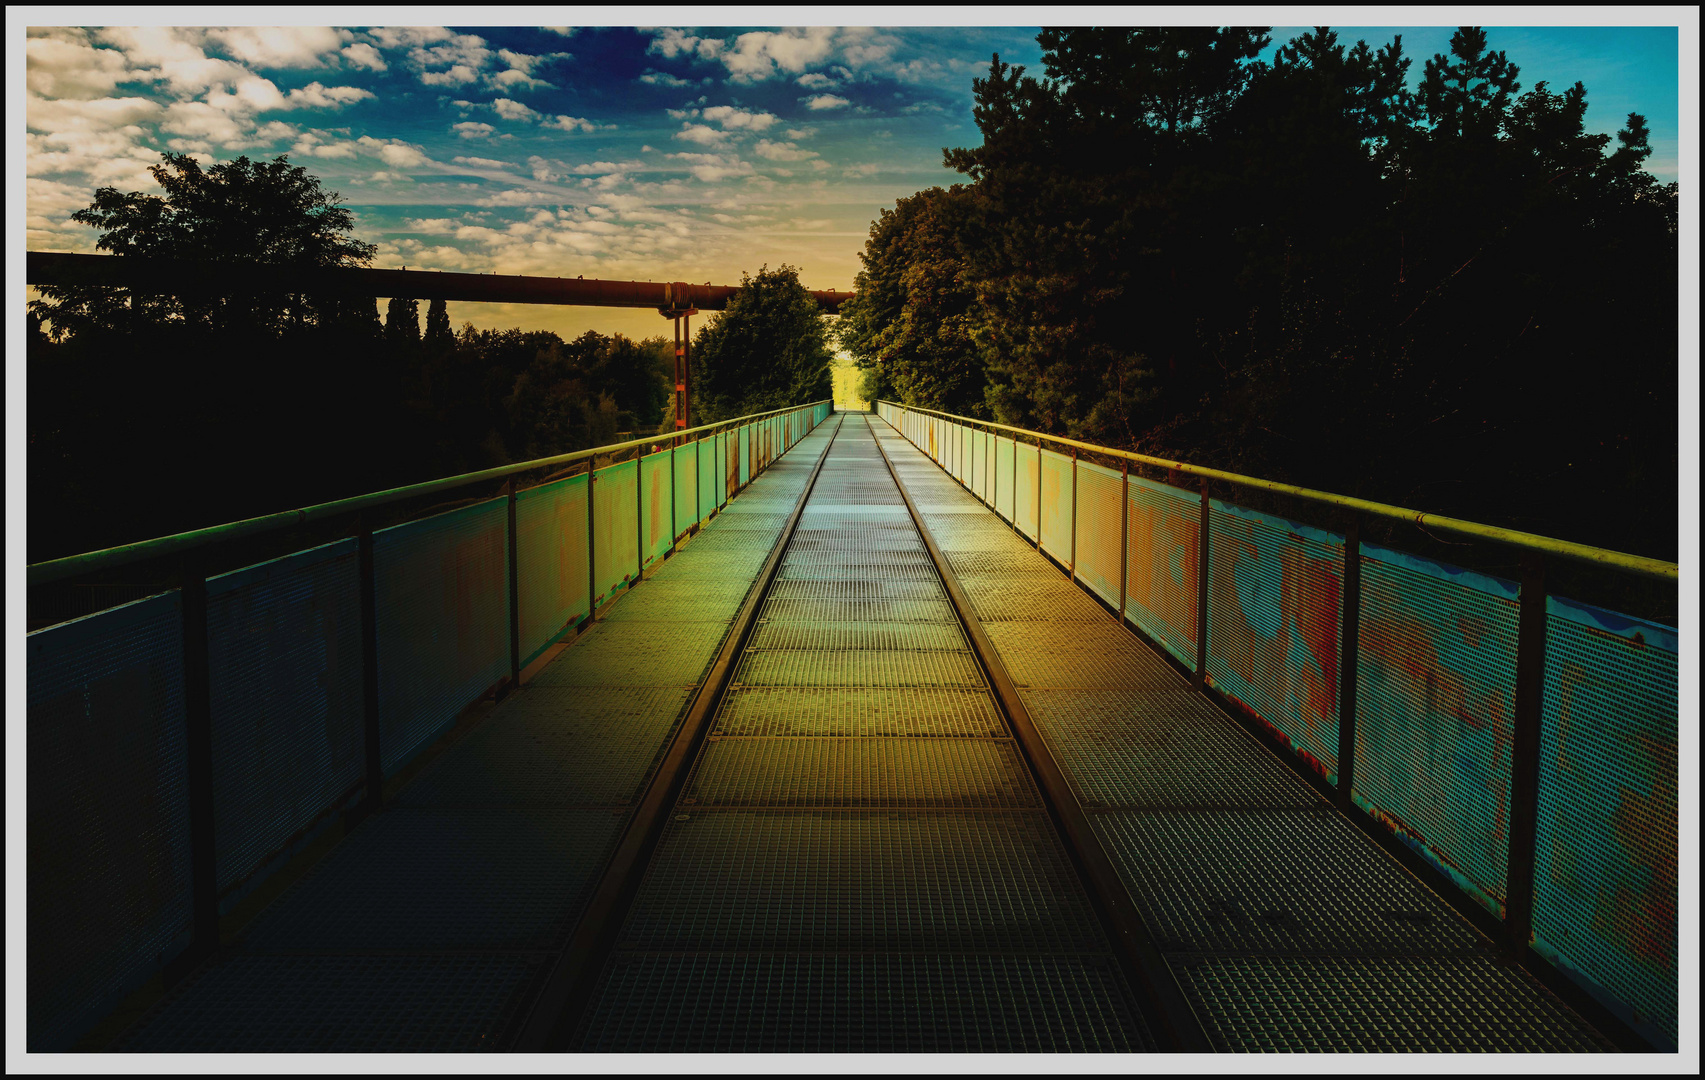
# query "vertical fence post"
(370, 672)
(591, 540)
(1200, 682)
(1038, 493)
(1524, 793)
(1350, 605)
(1071, 572)
(514, 593)
(1124, 536)
(675, 482)
(198, 730)
(638, 515)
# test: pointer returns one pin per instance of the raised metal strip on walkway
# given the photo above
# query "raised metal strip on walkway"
(860, 860)
(1287, 928)
(434, 925)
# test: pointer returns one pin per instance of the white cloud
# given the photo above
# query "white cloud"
(820, 102)
(701, 134)
(71, 69)
(542, 170)
(575, 123)
(457, 75)
(174, 56)
(760, 54)
(280, 46)
(509, 109)
(407, 37)
(816, 80)
(781, 151)
(713, 167)
(385, 177)
(483, 162)
(732, 118)
(801, 133)
(518, 197)
(470, 130)
(363, 55)
(662, 78)
(315, 96)
(394, 152)
(565, 31)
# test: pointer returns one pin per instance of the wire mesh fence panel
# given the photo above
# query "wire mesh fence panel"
(704, 453)
(745, 454)
(724, 470)
(1275, 623)
(441, 587)
(1163, 552)
(1605, 882)
(656, 514)
(963, 469)
(1099, 541)
(1435, 690)
(1056, 514)
(979, 462)
(550, 552)
(615, 529)
(1027, 482)
(107, 823)
(684, 489)
(1003, 478)
(289, 732)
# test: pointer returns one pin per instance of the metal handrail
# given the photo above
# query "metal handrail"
(1634, 564)
(52, 570)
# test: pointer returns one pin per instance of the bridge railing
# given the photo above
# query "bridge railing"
(1522, 743)
(181, 747)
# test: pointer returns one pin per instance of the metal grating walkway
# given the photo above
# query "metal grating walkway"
(1286, 928)
(859, 857)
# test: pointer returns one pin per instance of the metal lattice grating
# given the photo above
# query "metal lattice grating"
(1017, 559)
(550, 555)
(858, 610)
(895, 569)
(413, 879)
(343, 1004)
(869, 589)
(862, 667)
(1163, 552)
(836, 636)
(1160, 748)
(284, 662)
(1094, 655)
(552, 746)
(615, 528)
(636, 654)
(859, 711)
(1435, 703)
(1099, 542)
(108, 812)
(803, 880)
(1033, 599)
(861, 773)
(1275, 881)
(1605, 879)
(884, 1003)
(661, 600)
(1452, 1004)
(442, 607)
(1274, 624)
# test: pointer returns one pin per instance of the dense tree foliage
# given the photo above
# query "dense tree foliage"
(1453, 297)
(768, 349)
(152, 414)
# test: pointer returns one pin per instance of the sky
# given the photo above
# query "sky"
(666, 153)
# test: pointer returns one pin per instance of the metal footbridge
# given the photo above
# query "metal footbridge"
(848, 732)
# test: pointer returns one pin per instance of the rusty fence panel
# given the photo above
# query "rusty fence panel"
(108, 897)
(1027, 479)
(615, 529)
(979, 458)
(285, 675)
(1605, 883)
(550, 553)
(1099, 518)
(656, 516)
(1056, 513)
(745, 455)
(685, 489)
(1003, 477)
(1163, 552)
(1275, 594)
(728, 461)
(962, 468)
(442, 594)
(1435, 689)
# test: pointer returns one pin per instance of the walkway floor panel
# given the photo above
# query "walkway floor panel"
(1287, 928)
(433, 924)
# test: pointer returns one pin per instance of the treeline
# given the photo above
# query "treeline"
(1453, 298)
(150, 414)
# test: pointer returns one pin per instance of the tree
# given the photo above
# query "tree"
(239, 211)
(911, 313)
(767, 350)
(402, 329)
(439, 336)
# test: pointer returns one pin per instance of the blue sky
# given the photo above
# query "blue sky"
(665, 153)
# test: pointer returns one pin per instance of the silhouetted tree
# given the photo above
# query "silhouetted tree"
(769, 349)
